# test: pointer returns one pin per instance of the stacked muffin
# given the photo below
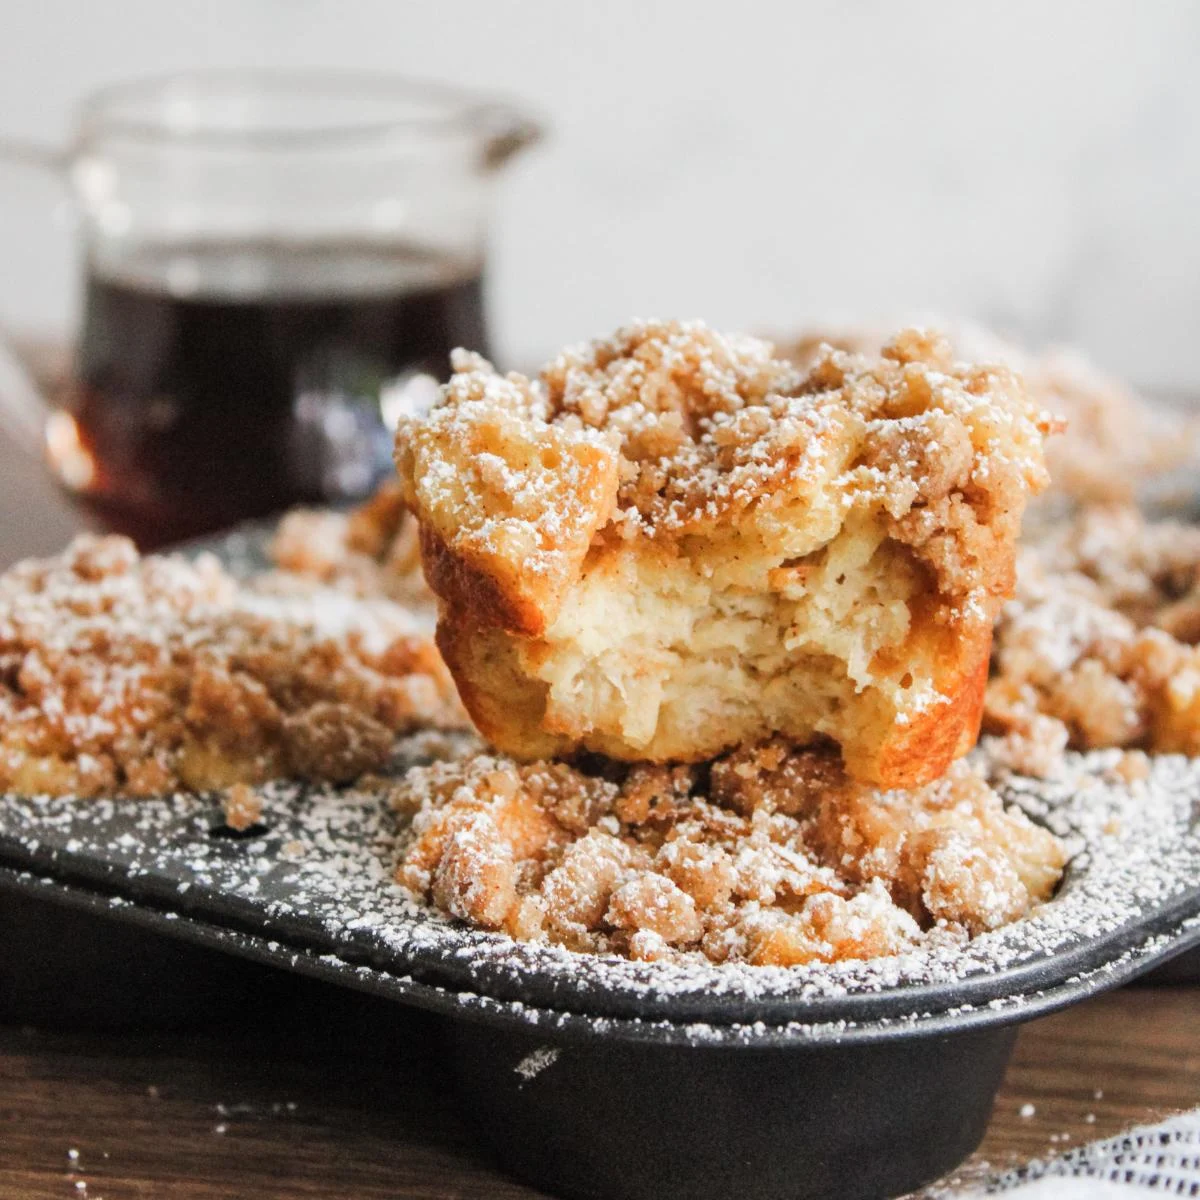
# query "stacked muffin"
(726, 621)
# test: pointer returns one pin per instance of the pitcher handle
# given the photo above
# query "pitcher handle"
(24, 411)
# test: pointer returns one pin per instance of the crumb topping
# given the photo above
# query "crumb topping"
(769, 856)
(242, 807)
(138, 676)
(694, 429)
(371, 552)
(1099, 647)
(1113, 441)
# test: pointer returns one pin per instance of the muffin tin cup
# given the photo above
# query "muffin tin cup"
(670, 1122)
(67, 964)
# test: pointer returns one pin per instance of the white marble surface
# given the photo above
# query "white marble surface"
(758, 163)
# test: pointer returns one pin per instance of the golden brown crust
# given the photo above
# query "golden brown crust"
(468, 588)
(920, 751)
(672, 543)
(506, 706)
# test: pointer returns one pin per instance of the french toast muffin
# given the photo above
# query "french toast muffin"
(673, 542)
(1100, 646)
(124, 675)
(1115, 440)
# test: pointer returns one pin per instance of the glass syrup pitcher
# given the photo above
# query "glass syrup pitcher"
(275, 266)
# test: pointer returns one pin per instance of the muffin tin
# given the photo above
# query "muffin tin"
(593, 1076)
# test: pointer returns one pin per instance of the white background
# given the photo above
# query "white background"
(1035, 163)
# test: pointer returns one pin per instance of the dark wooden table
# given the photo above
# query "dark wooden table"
(342, 1098)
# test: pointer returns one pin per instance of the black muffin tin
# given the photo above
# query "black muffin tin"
(589, 1077)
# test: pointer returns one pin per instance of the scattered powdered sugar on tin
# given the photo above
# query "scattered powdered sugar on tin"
(1136, 861)
(536, 1061)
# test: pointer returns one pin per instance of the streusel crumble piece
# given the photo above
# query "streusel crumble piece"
(672, 543)
(1114, 440)
(370, 552)
(137, 676)
(1099, 646)
(770, 855)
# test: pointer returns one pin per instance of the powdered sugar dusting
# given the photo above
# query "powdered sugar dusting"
(536, 1061)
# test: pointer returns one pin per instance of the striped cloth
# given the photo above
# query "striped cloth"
(1151, 1160)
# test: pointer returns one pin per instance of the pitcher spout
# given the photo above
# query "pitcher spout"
(504, 132)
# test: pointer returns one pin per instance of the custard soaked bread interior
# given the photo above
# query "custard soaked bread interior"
(672, 543)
